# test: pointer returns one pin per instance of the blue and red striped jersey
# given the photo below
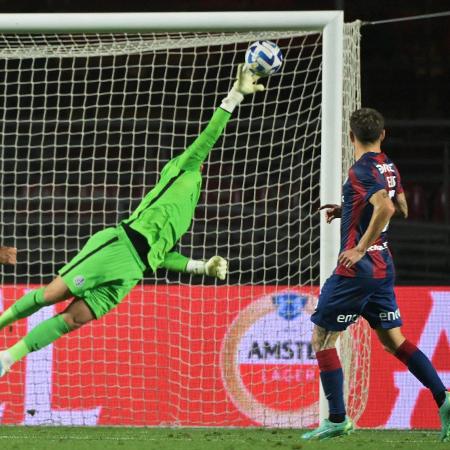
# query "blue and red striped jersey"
(372, 172)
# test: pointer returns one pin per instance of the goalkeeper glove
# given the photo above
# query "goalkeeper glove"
(214, 267)
(246, 83)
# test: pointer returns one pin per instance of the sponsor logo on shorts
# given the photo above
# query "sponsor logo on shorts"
(78, 281)
(386, 316)
(345, 318)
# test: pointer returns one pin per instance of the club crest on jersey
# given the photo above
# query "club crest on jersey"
(79, 280)
(267, 361)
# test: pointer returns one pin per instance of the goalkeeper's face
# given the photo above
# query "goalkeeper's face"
(202, 166)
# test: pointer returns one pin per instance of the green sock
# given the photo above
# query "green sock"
(28, 304)
(39, 337)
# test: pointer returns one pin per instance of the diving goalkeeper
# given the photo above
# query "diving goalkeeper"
(113, 260)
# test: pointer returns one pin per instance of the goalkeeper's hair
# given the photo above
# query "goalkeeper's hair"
(367, 124)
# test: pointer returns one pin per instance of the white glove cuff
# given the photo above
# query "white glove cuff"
(195, 267)
(232, 100)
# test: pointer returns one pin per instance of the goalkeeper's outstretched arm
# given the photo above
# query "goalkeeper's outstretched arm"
(194, 156)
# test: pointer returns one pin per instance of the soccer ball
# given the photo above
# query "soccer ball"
(263, 58)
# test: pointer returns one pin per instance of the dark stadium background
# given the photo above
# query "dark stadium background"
(405, 74)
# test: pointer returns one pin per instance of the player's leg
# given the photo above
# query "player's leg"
(97, 302)
(102, 274)
(383, 315)
(75, 315)
(421, 367)
(63, 286)
(34, 300)
(331, 374)
(417, 362)
(333, 314)
(332, 379)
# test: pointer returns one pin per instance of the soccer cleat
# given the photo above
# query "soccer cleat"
(5, 364)
(328, 430)
(444, 415)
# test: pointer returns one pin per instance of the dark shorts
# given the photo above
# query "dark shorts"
(343, 299)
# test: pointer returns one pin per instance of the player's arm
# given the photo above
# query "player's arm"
(383, 210)
(193, 157)
(401, 205)
(399, 199)
(8, 255)
(332, 211)
(214, 267)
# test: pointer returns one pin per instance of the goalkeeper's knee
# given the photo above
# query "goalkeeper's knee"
(77, 314)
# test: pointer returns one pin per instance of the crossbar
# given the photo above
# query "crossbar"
(154, 22)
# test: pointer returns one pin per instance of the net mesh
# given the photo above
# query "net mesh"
(88, 121)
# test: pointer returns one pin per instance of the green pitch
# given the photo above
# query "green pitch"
(65, 438)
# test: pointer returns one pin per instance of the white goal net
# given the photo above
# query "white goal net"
(87, 123)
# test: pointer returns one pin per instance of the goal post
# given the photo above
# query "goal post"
(99, 84)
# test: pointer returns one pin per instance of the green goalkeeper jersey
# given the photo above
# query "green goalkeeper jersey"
(166, 212)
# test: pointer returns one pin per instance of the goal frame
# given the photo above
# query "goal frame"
(330, 23)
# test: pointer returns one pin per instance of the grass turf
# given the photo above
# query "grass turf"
(81, 438)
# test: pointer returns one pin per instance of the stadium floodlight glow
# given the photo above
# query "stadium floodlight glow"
(124, 90)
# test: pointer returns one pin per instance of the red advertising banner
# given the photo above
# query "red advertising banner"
(396, 398)
(211, 356)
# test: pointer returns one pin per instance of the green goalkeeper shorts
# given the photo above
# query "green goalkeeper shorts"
(104, 271)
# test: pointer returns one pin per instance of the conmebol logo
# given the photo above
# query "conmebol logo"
(268, 366)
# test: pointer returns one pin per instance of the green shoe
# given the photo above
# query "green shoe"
(444, 415)
(328, 429)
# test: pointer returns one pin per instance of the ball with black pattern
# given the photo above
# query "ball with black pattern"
(264, 58)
